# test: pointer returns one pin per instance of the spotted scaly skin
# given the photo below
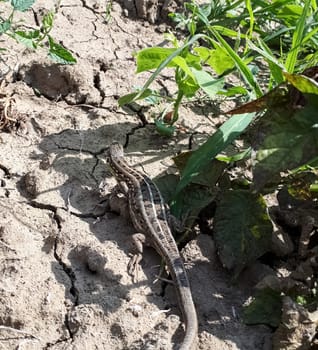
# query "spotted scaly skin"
(149, 216)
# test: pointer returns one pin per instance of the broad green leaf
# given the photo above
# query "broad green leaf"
(290, 13)
(192, 200)
(27, 38)
(240, 64)
(302, 83)
(266, 308)
(215, 144)
(167, 61)
(220, 61)
(166, 185)
(59, 54)
(205, 184)
(211, 174)
(242, 229)
(187, 86)
(192, 60)
(22, 5)
(5, 26)
(181, 63)
(211, 86)
(203, 52)
(217, 58)
(289, 140)
(151, 58)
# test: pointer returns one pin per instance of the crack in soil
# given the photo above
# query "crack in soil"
(49, 345)
(67, 270)
(6, 171)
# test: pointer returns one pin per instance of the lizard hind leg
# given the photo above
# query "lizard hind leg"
(138, 239)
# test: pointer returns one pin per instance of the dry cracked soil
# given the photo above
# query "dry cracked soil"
(64, 254)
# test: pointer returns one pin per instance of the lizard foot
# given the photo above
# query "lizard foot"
(133, 265)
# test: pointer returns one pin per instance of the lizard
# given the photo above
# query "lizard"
(149, 216)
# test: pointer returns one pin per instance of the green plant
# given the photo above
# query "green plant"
(108, 11)
(192, 72)
(34, 38)
(205, 66)
(278, 128)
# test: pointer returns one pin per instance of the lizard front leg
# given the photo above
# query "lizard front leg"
(118, 200)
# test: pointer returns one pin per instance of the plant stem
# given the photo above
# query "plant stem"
(176, 107)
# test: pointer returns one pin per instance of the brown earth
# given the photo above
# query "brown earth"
(64, 281)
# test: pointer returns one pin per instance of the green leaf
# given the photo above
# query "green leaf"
(211, 174)
(191, 201)
(217, 58)
(166, 185)
(297, 39)
(187, 86)
(220, 61)
(275, 66)
(5, 26)
(182, 64)
(204, 184)
(164, 129)
(208, 84)
(167, 62)
(27, 38)
(289, 140)
(22, 5)
(236, 157)
(251, 15)
(290, 14)
(59, 54)
(266, 308)
(229, 32)
(151, 58)
(232, 91)
(123, 100)
(302, 83)
(47, 21)
(243, 230)
(215, 144)
(240, 64)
